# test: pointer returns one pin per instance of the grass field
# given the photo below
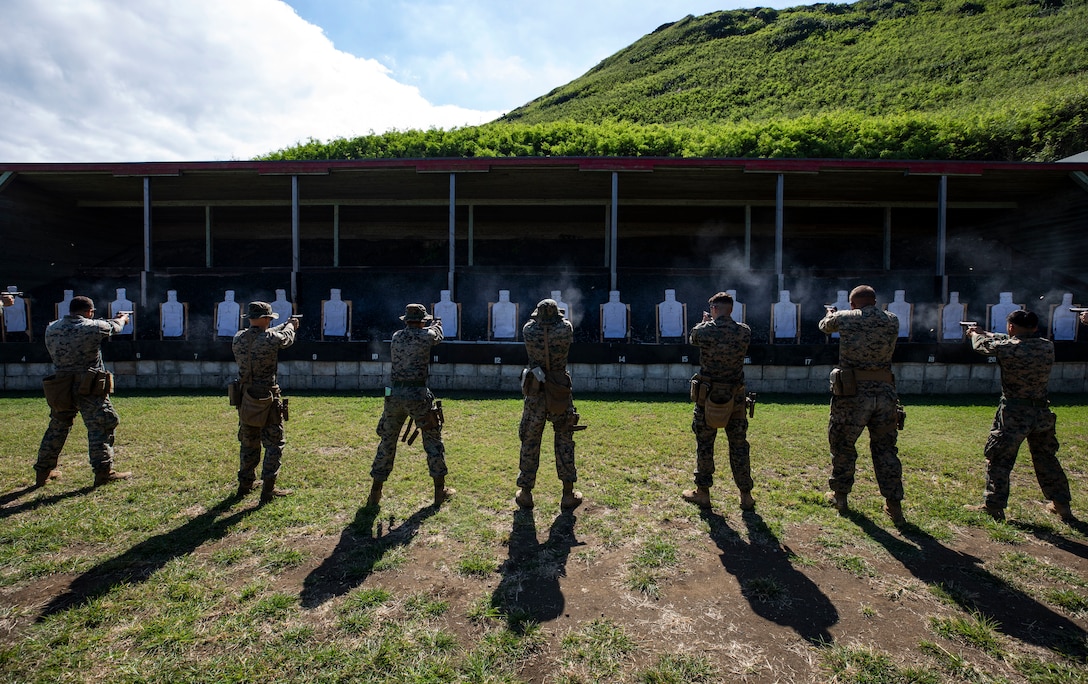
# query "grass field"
(167, 578)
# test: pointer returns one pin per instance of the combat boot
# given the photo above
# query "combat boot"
(1061, 510)
(839, 501)
(102, 477)
(571, 498)
(42, 477)
(246, 486)
(894, 509)
(524, 497)
(997, 514)
(375, 497)
(269, 490)
(441, 491)
(700, 496)
(747, 501)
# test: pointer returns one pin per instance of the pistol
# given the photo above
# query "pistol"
(1078, 309)
(294, 316)
(968, 324)
(750, 404)
(23, 294)
(575, 427)
(124, 313)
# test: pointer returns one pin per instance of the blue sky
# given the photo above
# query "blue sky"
(112, 80)
(493, 54)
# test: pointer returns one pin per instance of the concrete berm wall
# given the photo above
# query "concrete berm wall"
(372, 376)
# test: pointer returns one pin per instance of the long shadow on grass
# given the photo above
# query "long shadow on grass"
(356, 554)
(7, 511)
(1047, 534)
(529, 590)
(775, 589)
(142, 561)
(979, 591)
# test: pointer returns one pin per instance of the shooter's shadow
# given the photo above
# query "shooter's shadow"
(141, 561)
(529, 590)
(32, 504)
(356, 554)
(775, 589)
(979, 591)
(1047, 534)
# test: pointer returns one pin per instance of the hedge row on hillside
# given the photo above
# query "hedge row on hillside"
(1046, 132)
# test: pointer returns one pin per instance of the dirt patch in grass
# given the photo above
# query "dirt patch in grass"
(762, 610)
(759, 606)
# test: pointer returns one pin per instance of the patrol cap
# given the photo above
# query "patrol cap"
(547, 310)
(415, 312)
(261, 310)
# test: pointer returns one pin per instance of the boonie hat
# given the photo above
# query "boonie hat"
(261, 310)
(415, 312)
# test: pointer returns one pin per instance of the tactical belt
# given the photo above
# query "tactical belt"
(409, 383)
(874, 376)
(718, 381)
(1034, 403)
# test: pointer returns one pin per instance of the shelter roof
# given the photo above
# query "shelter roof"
(571, 179)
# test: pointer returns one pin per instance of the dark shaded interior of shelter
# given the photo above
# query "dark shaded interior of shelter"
(383, 238)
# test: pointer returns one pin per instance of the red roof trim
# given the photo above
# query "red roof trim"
(454, 165)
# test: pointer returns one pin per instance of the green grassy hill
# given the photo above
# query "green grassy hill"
(933, 79)
(874, 57)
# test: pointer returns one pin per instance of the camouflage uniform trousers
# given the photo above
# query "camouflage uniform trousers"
(251, 439)
(1012, 425)
(405, 402)
(101, 420)
(533, 417)
(736, 430)
(850, 416)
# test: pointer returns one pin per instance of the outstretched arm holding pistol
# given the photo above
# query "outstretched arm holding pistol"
(972, 328)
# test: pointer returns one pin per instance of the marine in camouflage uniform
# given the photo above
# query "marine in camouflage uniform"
(256, 350)
(75, 344)
(1023, 413)
(722, 344)
(409, 396)
(867, 336)
(548, 336)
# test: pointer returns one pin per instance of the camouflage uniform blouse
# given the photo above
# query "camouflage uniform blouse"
(75, 342)
(1025, 363)
(866, 337)
(722, 345)
(411, 353)
(257, 352)
(560, 335)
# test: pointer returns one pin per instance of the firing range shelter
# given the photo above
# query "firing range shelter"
(390, 232)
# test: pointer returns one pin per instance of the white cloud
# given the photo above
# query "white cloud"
(497, 53)
(501, 54)
(101, 80)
